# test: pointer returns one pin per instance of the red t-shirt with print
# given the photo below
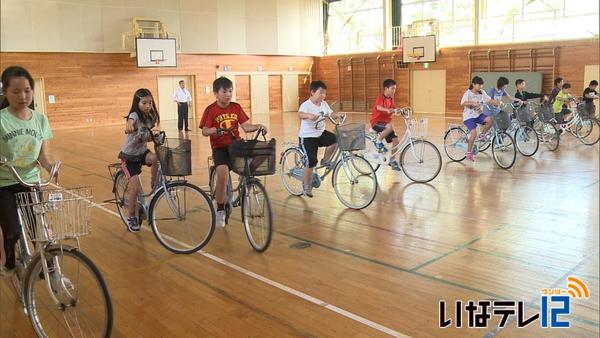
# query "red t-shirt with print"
(381, 116)
(229, 117)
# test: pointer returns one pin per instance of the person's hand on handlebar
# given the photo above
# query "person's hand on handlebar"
(262, 129)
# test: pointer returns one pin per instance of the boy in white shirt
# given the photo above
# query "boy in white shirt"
(314, 136)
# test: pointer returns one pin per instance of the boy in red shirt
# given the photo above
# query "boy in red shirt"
(381, 121)
(224, 114)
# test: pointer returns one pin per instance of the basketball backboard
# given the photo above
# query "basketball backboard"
(418, 49)
(156, 52)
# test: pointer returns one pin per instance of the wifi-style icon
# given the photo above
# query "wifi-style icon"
(577, 288)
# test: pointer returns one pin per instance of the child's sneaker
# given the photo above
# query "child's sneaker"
(133, 225)
(394, 164)
(307, 191)
(380, 146)
(221, 218)
(470, 156)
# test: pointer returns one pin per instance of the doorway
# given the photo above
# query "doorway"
(428, 91)
(166, 88)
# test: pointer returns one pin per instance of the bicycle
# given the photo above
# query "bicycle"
(420, 159)
(256, 159)
(180, 213)
(503, 150)
(526, 138)
(61, 289)
(353, 180)
(582, 125)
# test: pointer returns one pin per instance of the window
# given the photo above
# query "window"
(505, 21)
(355, 26)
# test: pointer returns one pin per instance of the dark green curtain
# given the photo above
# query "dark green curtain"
(396, 13)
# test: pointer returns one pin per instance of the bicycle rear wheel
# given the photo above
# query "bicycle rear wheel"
(84, 306)
(549, 136)
(121, 191)
(371, 148)
(421, 161)
(526, 140)
(504, 150)
(182, 219)
(257, 215)
(354, 188)
(455, 144)
(291, 170)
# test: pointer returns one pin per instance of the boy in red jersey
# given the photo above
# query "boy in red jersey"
(224, 114)
(381, 120)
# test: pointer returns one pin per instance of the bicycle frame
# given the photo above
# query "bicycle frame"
(24, 234)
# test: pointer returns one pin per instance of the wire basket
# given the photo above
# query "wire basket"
(525, 113)
(54, 215)
(351, 137)
(253, 158)
(418, 127)
(586, 109)
(546, 113)
(175, 157)
(501, 120)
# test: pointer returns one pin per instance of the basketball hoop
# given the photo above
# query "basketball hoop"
(415, 56)
(158, 61)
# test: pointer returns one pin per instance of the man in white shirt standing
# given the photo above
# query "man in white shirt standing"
(184, 99)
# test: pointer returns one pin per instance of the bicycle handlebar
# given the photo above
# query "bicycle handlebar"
(406, 112)
(157, 137)
(53, 173)
(328, 115)
(260, 131)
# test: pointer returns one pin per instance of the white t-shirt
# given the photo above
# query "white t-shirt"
(307, 127)
(182, 95)
(468, 112)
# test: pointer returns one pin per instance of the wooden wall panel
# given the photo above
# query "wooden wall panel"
(94, 88)
(275, 98)
(304, 88)
(571, 58)
(242, 92)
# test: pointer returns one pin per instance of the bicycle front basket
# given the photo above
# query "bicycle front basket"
(501, 120)
(351, 137)
(53, 215)
(525, 113)
(175, 157)
(253, 157)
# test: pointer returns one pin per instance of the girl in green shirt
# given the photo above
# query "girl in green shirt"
(23, 142)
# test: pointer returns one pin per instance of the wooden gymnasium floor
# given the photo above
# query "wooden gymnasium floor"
(476, 232)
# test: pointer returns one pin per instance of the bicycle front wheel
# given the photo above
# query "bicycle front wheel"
(421, 161)
(526, 140)
(588, 131)
(74, 302)
(257, 215)
(504, 150)
(183, 218)
(354, 182)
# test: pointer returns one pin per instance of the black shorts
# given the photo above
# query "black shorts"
(221, 157)
(380, 126)
(132, 166)
(311, 145)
